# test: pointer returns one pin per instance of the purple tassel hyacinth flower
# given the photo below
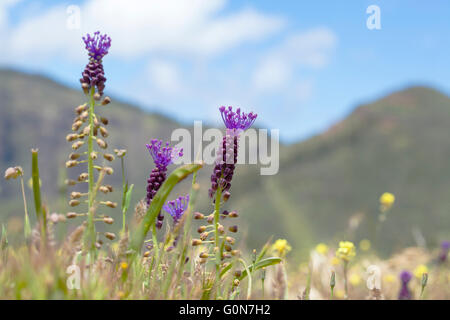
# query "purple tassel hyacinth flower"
(93, 74)
(405, 293)
(445, 248)
(177, 207)
(236, 122)
(163, 156)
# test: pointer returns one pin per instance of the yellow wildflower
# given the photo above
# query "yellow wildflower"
(339, 293)
(387, 199)
(365, 245)
(355, 280)
(124, 265)
(322, 248)
(389, 278)
(346, 250)
(420, 270)
(335, 261)
(282, 247)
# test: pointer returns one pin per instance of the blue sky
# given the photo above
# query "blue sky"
(302, 65)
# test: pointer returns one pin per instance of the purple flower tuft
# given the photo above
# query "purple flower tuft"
(163, 155)
(93, 75)
(445, 248)
(177, 207)
(97, 45)
(445, 245)
(236, 119)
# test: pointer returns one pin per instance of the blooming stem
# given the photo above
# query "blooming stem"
(345, 280)
(216, 236)
(90, 240)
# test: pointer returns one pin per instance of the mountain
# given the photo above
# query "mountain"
(400, 144)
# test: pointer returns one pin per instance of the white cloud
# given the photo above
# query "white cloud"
(310, 49)
(164, 76)
(139, 28)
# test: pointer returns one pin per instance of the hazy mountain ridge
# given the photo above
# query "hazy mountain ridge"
(400, 143)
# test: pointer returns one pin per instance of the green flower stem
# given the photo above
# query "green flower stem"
(40, 214)
(345, 279)
(90, 239)
(216, 237)
(26, 227)
(155, 241)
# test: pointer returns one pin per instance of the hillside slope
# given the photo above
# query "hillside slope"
(400, 144)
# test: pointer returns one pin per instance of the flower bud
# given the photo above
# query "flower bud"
(71, 163)
(230, 240)
(228, 247)
(109, 171)
(76, 125)
(77, 145)
(108, 156)
(233, 228)
(75, 195)
(86, 130)
(71, 137)
(221, 229)
(238, 273)
(104, 132)
(236, 282)
(196, 242)
(97, 96)
(106, 100)
(110, 235)
(104, 121)
(201, 229)
(235, 252)
(111, 204)
(110, 188)
(74, 203)
(71, 215)
(226, 196)
(104, 189)
(233, 214)
(70, 182)
(204, 255)
(102, 144)
(198, 216)
(83, 177)
(74, 156)
(108, 220)
(80, 108)
(210, 218)
(85, 88)
(203, 236)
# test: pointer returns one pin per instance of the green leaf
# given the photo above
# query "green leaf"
(127, 198)
(175, 177)
(225, 270)
(261, 264)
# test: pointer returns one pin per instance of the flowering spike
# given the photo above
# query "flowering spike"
(405, 293)
(163, 155)
(177, 207)
(237, 120)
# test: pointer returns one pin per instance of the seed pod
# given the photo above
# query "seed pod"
(80, 108)
(196, 242)
(70, 182)
(233, 214)
(71, 215)
(77, 145)
(203, 236)
(226, 196)
(235, 252)
(74, 156)
(106, 100)
(86, 130)
(71, 137)
(76, 125)
(108, 157)
(108, 170)
(233, 228)
(230, 240)
(102, 144)
(74, 203)
(201, 229)
(104, 121)
(85, 88)
(198, 216)
(203, 255)
(97, 96)
(111, 204)
(83, 177)
(104, 189)
(110, 235)
(108, 220)
(71, 163)
(75, 195)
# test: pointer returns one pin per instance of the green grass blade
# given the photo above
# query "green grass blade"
(261, 264)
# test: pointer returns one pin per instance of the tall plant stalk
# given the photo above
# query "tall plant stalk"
(90, 239)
